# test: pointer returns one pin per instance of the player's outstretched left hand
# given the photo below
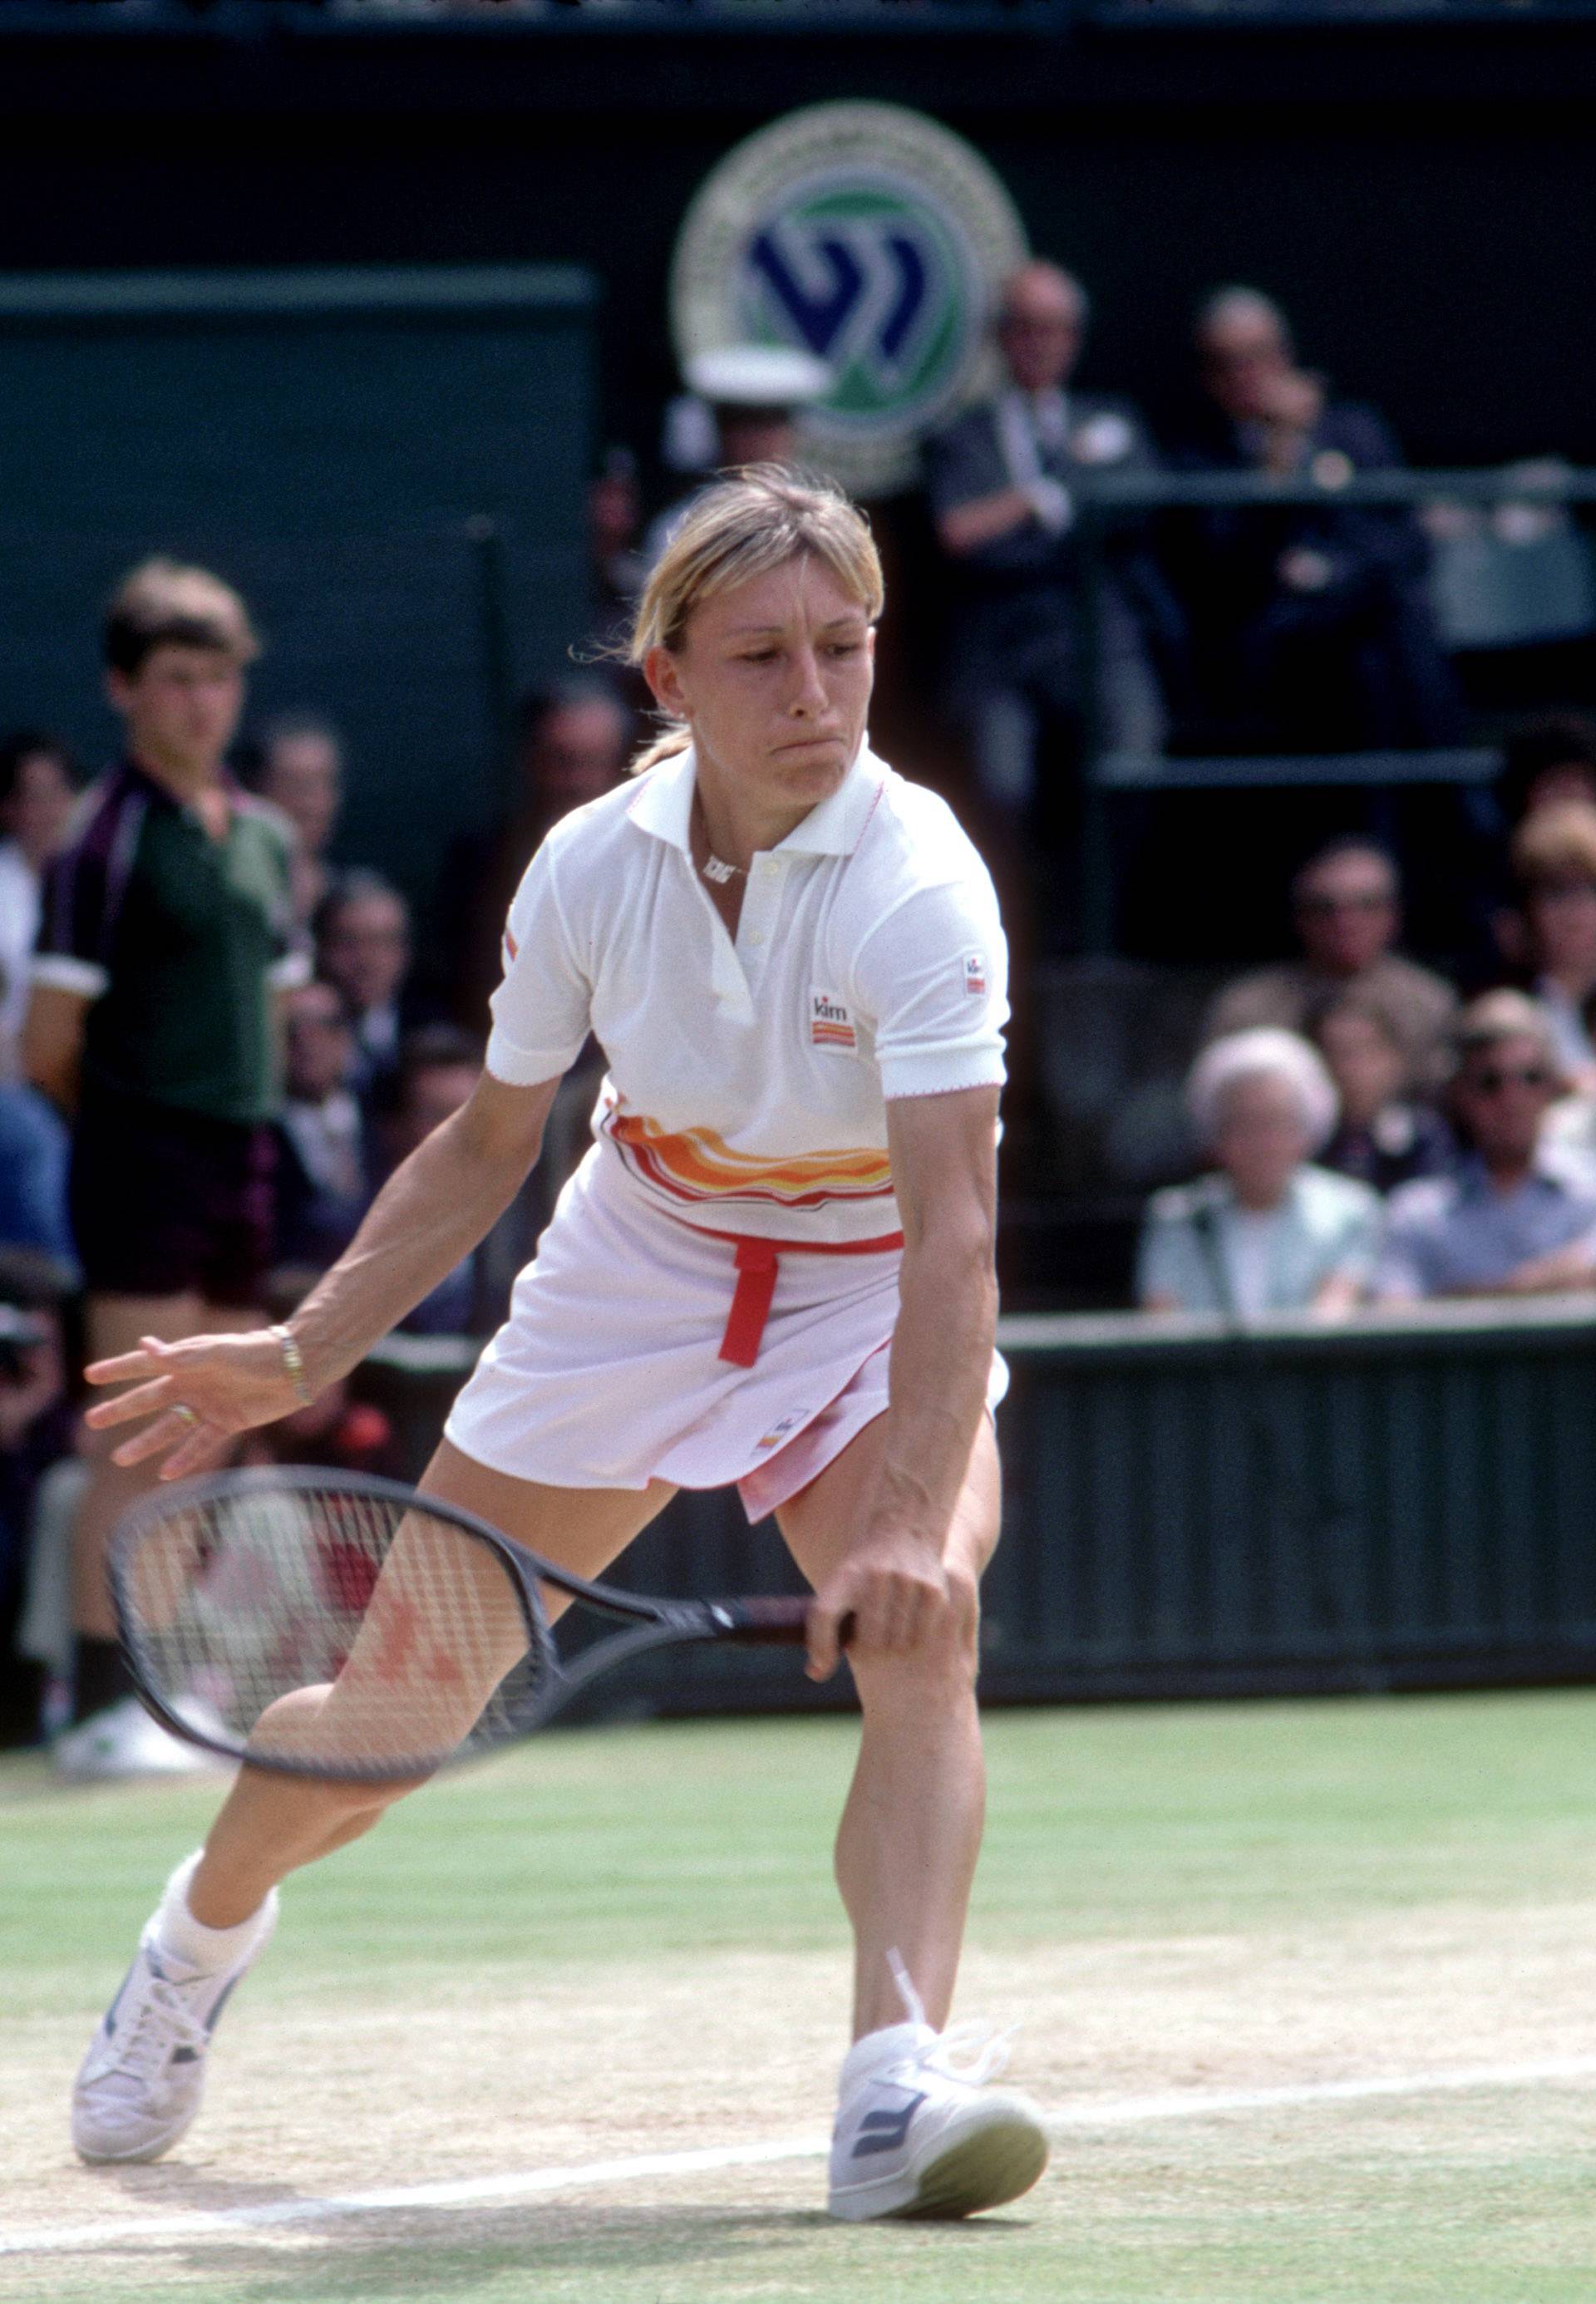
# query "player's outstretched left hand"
(199, 1395)
(895, 1589)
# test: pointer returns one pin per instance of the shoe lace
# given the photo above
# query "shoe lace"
(159, 2022)
(988, 2049)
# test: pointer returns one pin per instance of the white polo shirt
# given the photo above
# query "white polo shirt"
(748, 1081)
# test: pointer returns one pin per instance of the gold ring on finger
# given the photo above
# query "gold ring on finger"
(184, 1415)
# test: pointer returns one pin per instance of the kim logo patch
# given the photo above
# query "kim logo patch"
(975, 975)
(830, 1024)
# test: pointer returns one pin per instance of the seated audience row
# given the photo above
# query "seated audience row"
(1273, 1228)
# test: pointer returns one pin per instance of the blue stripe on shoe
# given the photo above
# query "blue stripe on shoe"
(884, 2131)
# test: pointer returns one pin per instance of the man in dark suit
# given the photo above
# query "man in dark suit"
(1309, 626)
(1001, 480)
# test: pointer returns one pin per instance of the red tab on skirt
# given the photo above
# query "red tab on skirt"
(757, 1262)
(750, 1305)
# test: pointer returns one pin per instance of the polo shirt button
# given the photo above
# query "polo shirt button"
(757, 936)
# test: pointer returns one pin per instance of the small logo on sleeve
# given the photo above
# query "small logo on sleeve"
(975, 975)
(830, 1025)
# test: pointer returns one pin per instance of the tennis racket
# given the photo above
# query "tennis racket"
(350, 1629)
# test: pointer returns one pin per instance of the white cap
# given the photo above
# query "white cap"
(758, 376)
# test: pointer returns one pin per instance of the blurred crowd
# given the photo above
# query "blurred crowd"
(220, 1031)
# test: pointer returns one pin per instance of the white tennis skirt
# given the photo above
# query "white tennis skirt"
(608, 1372)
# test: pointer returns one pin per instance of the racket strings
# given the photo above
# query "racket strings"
(339, 1632)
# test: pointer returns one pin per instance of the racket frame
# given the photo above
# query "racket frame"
(653, 1624)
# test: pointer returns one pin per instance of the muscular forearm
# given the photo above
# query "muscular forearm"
(431, 1212)
(941, 1357)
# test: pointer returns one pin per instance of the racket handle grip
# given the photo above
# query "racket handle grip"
(777, 1623)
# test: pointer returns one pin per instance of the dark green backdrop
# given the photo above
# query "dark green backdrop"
(333, 442)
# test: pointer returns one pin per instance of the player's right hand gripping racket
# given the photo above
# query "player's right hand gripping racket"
(327, 1625)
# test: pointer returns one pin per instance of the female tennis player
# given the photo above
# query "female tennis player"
(773, 1269)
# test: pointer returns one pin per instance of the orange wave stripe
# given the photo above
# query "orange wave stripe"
(697, 1164)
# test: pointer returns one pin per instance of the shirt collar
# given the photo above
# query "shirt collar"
(152, 789)
(664, 807)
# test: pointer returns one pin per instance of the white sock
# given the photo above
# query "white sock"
(205, 1950)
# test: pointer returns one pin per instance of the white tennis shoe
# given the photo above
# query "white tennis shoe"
(124, 1740)
(919, 2135)
(140, 2086)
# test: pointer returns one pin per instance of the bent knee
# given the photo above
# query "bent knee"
(940, 1667)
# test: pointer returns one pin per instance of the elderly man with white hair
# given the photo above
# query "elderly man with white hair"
(1266, 1231)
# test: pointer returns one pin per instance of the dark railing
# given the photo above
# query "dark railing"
(1103, 502)
(1394, 1501)
(247, 18)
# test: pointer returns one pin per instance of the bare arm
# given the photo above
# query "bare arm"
(432, 1211)
(1556, 1273)
(1337, 1296)
(53, 1042)
(966, 527)
(943, 1167)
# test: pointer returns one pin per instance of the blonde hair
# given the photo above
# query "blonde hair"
(162, 602)
(742, 527)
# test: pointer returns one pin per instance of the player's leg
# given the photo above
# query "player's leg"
(270, 1824)
(140, 2086)
(910, 1831)
(913, 2135)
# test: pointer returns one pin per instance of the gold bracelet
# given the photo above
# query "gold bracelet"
(293, 1366)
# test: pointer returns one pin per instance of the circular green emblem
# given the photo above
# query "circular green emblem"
(870, 236)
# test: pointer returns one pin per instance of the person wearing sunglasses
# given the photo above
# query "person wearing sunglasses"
(1517, 1216)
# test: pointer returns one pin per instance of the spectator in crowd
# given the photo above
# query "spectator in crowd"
(301, 772)
(438, 1067)
(1545, 762)
(614, 529)
(363, 951)
(38, 788)
(745, 407)
(1384, 1137)
(1552, 933)
(573, 740)
(323, 1185)
(34, 1431)
(36, 792)
(999, 480)
(1346, 904)
(167, 921)
(1267, 1232)
(1517, 1214)
(1310, 626)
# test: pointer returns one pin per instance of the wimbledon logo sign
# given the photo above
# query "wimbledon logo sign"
(870, 236)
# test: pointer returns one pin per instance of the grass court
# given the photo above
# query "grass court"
(1307, 1989)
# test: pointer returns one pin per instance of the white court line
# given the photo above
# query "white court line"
(477, 2191)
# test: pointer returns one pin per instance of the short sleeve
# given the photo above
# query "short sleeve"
(1163, 1266)
(1169, 1263)
(540, 1010)
(932, 980)
(1356, 1252)
(1402, 1270)
(77, 919)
